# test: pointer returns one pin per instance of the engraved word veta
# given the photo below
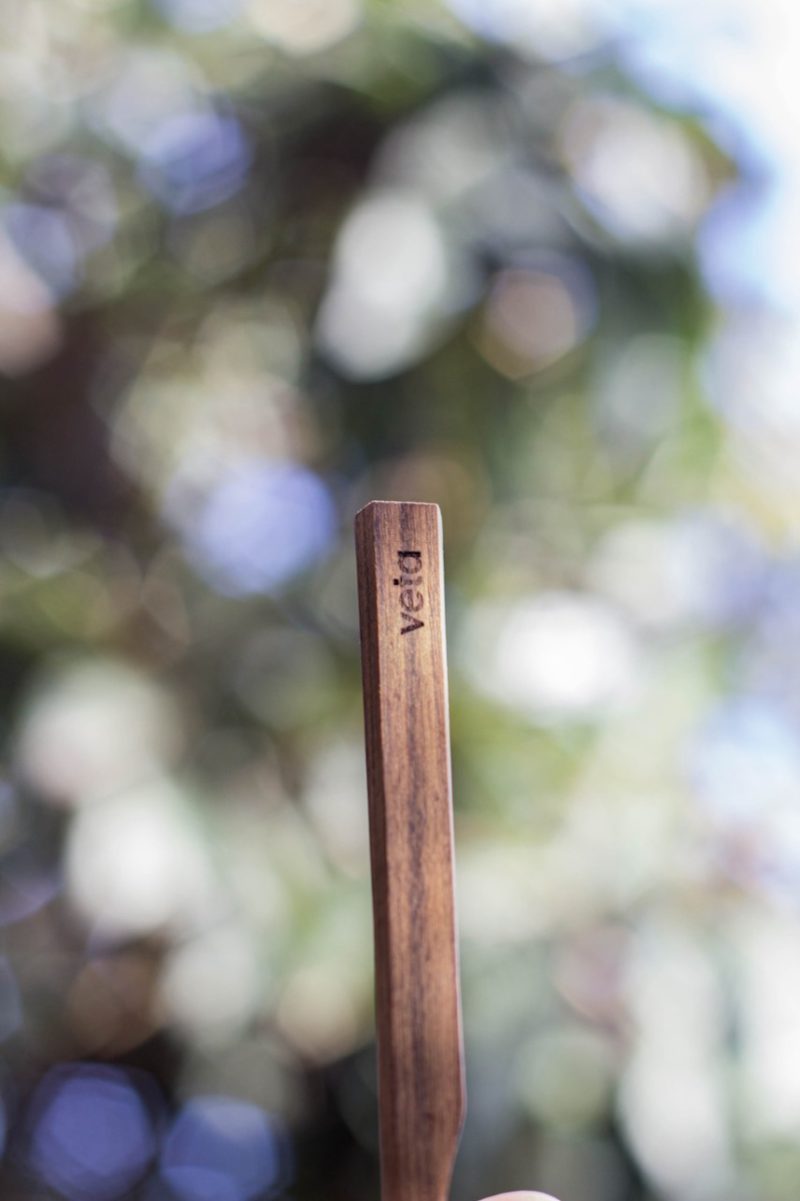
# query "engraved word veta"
(412, 598)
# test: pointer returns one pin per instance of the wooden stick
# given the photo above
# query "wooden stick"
(418, 1010)
(418, 1006)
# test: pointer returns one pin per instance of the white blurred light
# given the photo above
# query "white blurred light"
(210, 983)
(501, 894)
(554, 29)
(449, 148)
(745, 764)
(751, 374)
(391, 249)
(302, 27)
(638, 172)
(94, 729)
(734, 62)
(672, 1098)
(769, 973)
(744, 767)
(693, 569)
(321, 1032)
(145, 88)
(98, 6)
(747, 248)
(726, 59)
(752, 370)
(390, 286)
(561, 655)
(333, 795)
(136, 864)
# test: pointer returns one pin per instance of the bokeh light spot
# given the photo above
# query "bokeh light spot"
(638, 174)
(136, 863)
(43, 237)
(222, 1149)
(301, 27)
(92, 1137)
(199, 16)
(195, 160)
(539, 28)
(93, 728)
(30, 329)
(558, 656)
(535, 317)
(258, 526)
(390, 286)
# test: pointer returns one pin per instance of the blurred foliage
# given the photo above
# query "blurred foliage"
(262, 261)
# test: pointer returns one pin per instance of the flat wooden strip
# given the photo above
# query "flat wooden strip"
(418, 1012)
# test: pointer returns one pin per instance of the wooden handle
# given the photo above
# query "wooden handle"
(418, 1010)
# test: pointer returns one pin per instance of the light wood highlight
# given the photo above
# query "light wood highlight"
(418, 1012)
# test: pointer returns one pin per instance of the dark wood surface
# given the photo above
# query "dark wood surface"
(418, 1012)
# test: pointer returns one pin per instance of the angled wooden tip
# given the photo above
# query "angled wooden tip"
(418, 1012)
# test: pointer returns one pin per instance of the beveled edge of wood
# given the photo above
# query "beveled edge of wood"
(417, 504)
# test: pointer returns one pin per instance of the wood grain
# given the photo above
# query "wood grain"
(418, 1011)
